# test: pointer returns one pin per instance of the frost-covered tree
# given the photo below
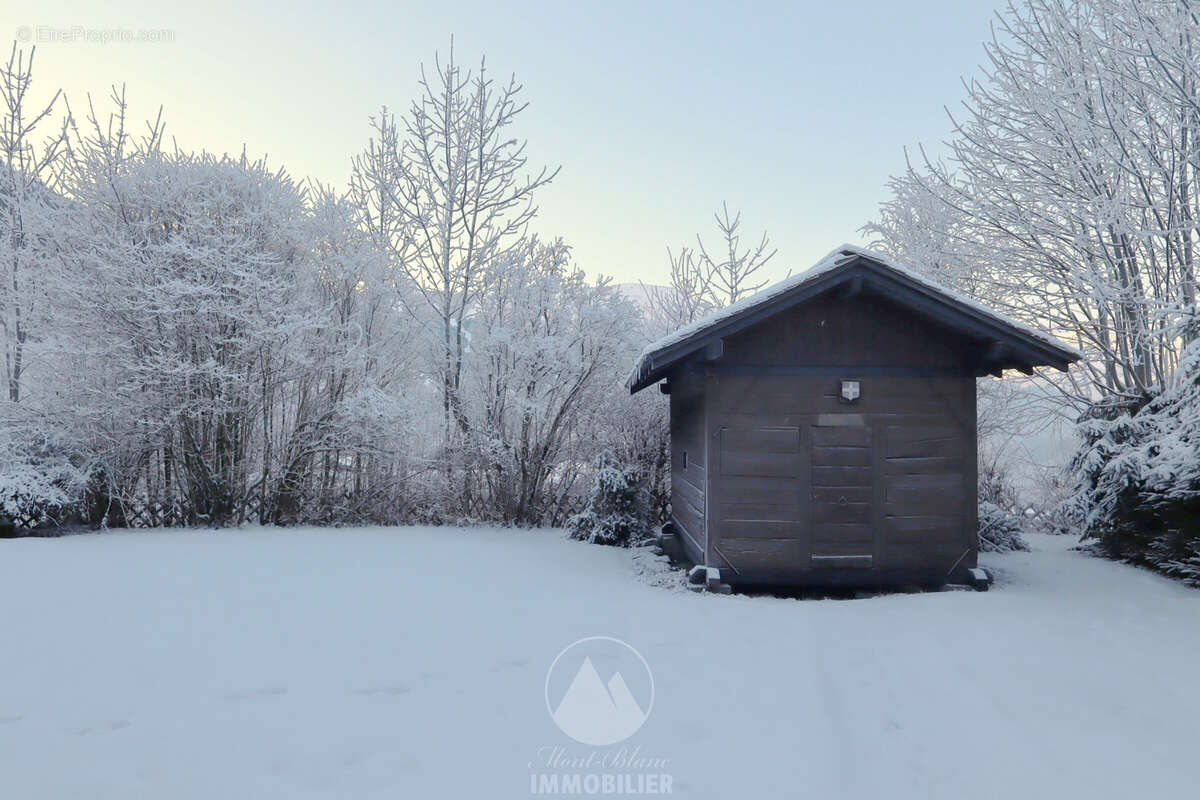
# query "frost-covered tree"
(732, 269)
(241, 344)
(446, 191)
(548, 348)
(339, 428)
(218, 342)
(29, 161)
(685, 298)
(1069, 193)
(707, 277)
(189, 268)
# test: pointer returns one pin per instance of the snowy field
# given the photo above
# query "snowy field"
(411, 663)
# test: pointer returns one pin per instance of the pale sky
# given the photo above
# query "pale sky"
(795, 113)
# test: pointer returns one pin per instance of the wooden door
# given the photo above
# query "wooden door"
(842, 486)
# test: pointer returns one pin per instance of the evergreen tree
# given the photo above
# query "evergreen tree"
(617, 510)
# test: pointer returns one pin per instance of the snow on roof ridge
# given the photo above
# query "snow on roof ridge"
(834, 258)
(934, 285)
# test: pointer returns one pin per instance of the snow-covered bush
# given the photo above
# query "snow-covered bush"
(616, 513)
(1138, 489)
(32, 495)
(40, 481)
(639, 433)
(999, 530)
(995, 485)
(547, 348)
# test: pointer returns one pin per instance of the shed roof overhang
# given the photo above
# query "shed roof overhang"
(1002, 343)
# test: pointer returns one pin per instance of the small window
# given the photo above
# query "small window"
(685, 459)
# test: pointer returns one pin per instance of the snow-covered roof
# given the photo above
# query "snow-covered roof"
(657, 358)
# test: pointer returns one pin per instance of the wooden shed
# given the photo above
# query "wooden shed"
(823, 430)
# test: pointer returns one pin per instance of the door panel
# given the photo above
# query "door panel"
(926, 487)
(757, 500)
(841, 493)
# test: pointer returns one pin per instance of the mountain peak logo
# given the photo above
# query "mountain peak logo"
(593, 710)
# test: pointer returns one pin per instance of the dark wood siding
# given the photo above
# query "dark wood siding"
(688, 482)
(859, 331)
(803, 481)
(757, 497)
(925, 465)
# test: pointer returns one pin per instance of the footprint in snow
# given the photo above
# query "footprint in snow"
(250, 694)
(110, 725)
(393, 690)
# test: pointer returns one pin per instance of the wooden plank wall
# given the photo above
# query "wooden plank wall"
(755, 502)
(925, 466)
(688, 483)
(859, 331)
(789, 448)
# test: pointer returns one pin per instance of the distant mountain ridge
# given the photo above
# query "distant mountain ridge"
(637, 292)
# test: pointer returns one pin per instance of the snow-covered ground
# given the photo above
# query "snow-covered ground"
(398, 663)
